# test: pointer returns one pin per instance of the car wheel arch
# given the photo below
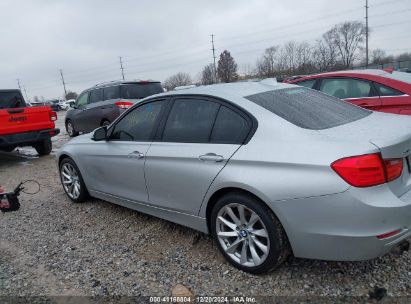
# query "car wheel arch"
(223, 191)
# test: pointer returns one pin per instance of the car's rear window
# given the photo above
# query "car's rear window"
(11, 100)
(308, 109)
(140, 90)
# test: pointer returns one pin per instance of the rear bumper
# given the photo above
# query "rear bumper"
(345, 226)
(27, 138)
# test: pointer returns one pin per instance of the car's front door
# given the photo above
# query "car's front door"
(79, 116)
(197, 139)
(356, 91)
(116, 166)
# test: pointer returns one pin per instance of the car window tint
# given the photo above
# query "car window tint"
(82, 100)
(111, 93)
(140, 90)
(95, 96)
(386, 91)
(306, 83)
(229, 127)
(138, 124)
(308, 109)
(346, 88)
(11, 99)
(190, 120)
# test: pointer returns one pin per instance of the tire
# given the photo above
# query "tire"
(44, 147)
(69, 171)
(266, 232)
(71, 131)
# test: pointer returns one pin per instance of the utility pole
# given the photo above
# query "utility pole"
(18, 83)
(213, 49)
(64, 84)
(366, 33)
(121, 67)
(25, 93)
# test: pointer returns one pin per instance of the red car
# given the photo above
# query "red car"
(377, 90)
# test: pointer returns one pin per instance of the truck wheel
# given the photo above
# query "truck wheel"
(44, 147)
(71, 131)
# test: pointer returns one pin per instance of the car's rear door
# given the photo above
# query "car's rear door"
(356, 91)
(393, 100)
(116, 167)
(196, 140)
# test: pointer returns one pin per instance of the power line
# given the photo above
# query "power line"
(18, 83)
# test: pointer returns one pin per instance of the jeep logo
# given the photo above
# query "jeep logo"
(18, 119)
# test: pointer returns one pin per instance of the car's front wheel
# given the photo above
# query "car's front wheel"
(248, 233)
(72, 181)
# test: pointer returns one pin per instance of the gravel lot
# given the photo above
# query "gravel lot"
(53, 247)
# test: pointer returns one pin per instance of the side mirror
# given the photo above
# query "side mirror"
(72, 104)
(100, 134)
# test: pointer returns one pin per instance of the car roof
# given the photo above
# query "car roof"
(230, 90)
(359, 73)
(120, 82)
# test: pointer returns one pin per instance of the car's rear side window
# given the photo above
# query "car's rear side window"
(96, 96)
(308, 109)
(11, 100)
(229, 127)
(387, 91)
(190, 120)
(140, 90)
(111, 93)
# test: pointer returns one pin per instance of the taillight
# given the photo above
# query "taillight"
(368, 170)
(53, 116)
(124, 104)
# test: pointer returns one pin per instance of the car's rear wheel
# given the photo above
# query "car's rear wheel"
(44, 147)
(72, 181)
(71, 131)
(248, 233)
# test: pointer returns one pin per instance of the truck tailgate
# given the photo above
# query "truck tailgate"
(20, 120)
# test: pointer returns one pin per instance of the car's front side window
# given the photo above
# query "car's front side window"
(139, 123)
(190, 120)
(82, 100)
(346, 88)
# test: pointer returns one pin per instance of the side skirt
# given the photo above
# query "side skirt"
(184, 219)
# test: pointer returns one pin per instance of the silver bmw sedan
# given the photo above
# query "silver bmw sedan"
(268, 169)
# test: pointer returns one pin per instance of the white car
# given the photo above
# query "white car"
(65, 104)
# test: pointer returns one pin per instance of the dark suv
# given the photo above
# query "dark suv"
(103, 103)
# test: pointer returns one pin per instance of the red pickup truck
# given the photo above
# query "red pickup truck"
(25, 126)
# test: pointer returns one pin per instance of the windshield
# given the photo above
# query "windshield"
(140, 90)
(308, 109)
(401, 76)
(11, 99)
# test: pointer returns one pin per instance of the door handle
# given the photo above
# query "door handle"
(136, 154)
(211, 157)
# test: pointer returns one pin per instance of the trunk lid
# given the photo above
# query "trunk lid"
(20, 120)
(389, 133)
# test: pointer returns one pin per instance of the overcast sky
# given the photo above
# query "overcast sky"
(158, 38)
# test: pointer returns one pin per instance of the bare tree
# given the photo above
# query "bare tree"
(325, 53)
(378, 56)
(266, 65)
(208, 75)
(347, 37)
(227, 68)
(176, 80)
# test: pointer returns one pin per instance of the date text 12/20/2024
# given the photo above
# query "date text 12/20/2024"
(203, 299)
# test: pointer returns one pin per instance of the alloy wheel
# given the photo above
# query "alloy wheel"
(70, 129)
(71, 181)
(242, 235)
